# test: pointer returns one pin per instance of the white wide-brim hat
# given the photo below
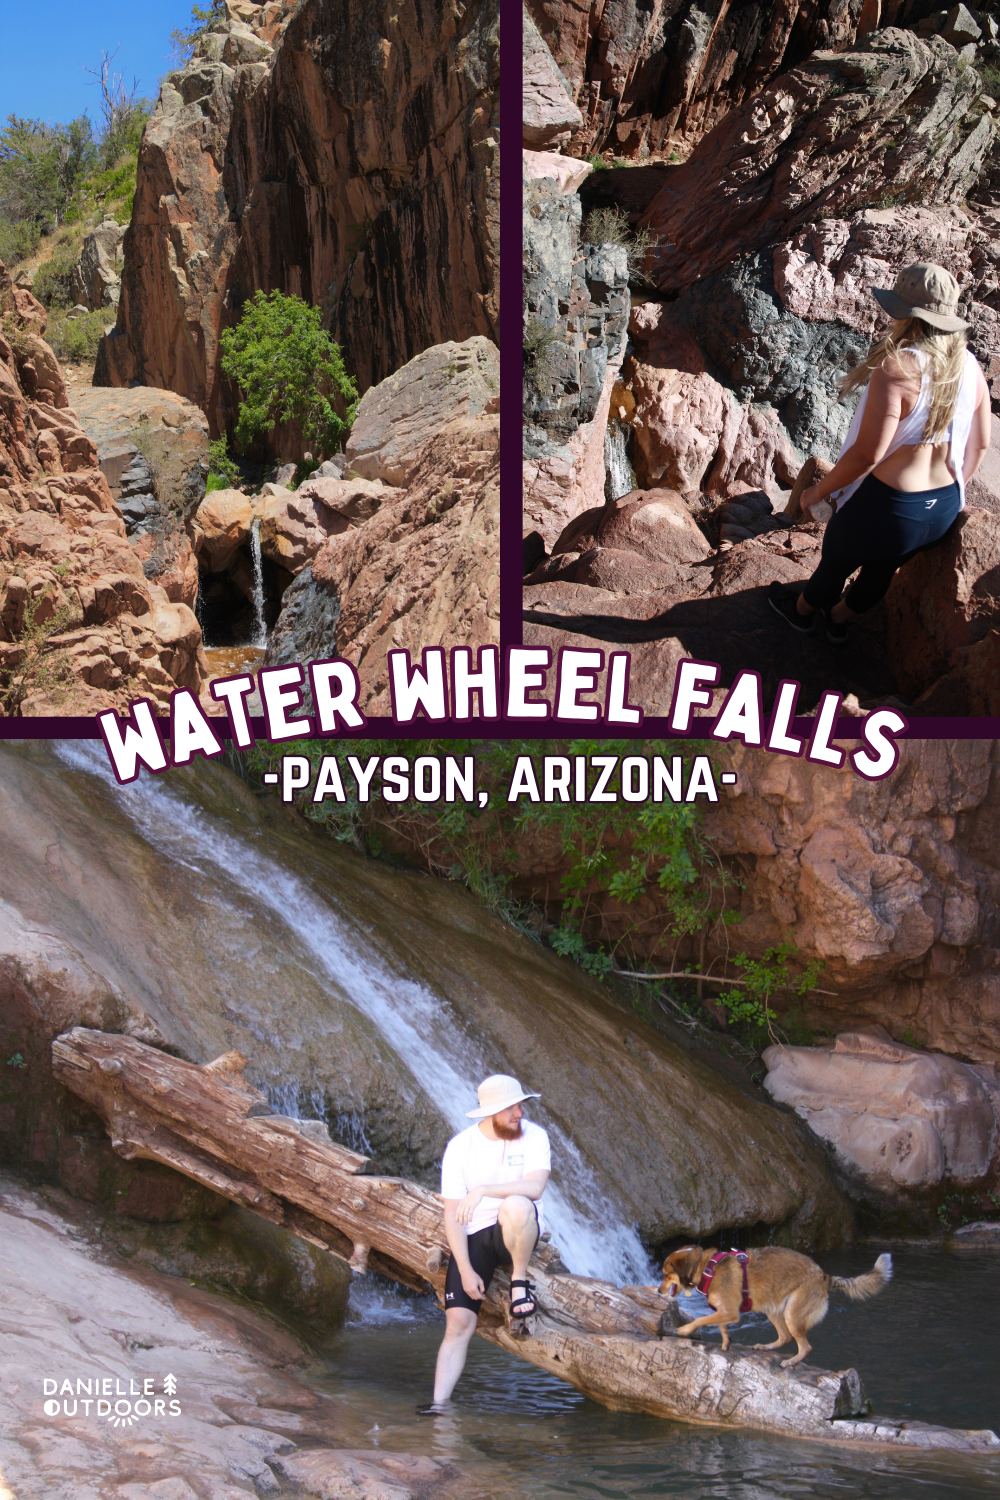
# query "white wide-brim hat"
(497, 1093)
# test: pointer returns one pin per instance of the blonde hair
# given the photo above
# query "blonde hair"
(946, 357)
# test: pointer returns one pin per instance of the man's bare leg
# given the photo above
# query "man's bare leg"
(459, 1326)
(520, 1234)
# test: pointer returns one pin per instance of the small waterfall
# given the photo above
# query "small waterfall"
(619, 478)
(259, 637)
(442, 1055)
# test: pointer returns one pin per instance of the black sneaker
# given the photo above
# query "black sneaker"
(782, 599)
(836, 633)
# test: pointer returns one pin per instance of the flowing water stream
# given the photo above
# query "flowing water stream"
(259, 637)
(928, 1349)
(441, 1052)
(619, 476)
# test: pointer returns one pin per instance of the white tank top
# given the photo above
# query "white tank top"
(912, 427)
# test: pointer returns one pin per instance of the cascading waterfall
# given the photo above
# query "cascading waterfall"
(419, 1025)
(619, 477)
(259, 638)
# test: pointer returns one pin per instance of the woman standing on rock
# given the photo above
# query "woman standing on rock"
(920, 432)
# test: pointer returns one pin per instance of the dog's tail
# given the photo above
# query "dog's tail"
(860, 1288)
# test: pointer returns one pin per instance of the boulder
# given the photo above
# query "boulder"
(175, 439)
(400, 240)
(549, 115)
(656, 524)
(944, 601)
(168, 559)
(396, 418)
(565, 170)
(835, 134)
(220, 525)
(626, 572)
(96, 278)
(294, 525)
(899, 1117)
(422, 571)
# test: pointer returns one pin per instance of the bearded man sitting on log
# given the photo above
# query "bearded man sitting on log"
(493, 1176)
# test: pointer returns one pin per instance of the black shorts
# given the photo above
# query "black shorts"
(487, 1250)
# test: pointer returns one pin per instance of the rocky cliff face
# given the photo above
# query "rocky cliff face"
(348, 158)
(82, 627)
(893, 884)
(576, 314)
(89, 935)
(652, 79)
(767, 240)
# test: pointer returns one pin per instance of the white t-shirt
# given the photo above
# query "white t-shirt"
(472, 1160)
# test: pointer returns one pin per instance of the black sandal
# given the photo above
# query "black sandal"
(516, 1302)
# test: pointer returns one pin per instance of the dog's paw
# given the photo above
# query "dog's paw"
(685, 1331)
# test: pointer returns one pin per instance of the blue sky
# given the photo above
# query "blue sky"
(48, 43)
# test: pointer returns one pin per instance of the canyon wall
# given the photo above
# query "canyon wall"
(347, 158)
(83, 625)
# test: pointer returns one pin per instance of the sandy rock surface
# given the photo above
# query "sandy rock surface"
(244, 1419)
(397, 418)
(900, 1117)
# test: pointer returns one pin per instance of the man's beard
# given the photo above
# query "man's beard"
(507, 1132)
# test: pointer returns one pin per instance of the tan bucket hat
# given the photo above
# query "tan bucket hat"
(497, 1093)
(924, 291)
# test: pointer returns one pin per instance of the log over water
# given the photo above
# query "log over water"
(210, 1124)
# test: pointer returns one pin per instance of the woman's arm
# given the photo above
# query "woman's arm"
(979, 434)
(887, 389)
(531, 1185)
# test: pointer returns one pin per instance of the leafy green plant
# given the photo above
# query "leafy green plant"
(750, 1005)
(288, 368)
(51, 282)
(17, 1061)
(598, 163)
(221, 468)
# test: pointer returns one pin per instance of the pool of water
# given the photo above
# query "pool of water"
(928, 1348)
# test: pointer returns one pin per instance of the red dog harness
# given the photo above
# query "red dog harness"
(706, 1281)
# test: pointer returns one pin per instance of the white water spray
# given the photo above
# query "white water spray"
(619, 478)
(259, 637)
(419, 1025)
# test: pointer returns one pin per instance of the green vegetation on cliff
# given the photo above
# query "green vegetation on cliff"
(620, 880)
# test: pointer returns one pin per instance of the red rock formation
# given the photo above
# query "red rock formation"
(81, 628)
(656, 78)
(422, 571)
(822, 139)
(354, 165)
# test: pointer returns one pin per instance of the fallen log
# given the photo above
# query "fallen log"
(210, 1124)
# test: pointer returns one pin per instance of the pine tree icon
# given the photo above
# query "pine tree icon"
(169, 1385)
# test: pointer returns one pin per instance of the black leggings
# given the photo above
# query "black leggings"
(877, 530)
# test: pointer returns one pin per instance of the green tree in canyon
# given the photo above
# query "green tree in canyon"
(288, 369)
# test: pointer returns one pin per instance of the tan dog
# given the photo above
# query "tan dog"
(790, 1288)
